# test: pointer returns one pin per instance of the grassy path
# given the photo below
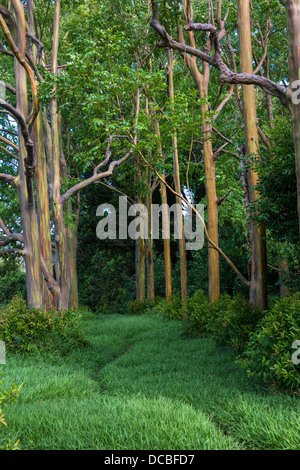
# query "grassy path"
(142, 385)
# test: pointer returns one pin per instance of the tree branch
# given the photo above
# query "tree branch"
(10, 154)
(12, 237)
(8, 179)
(31, 118)
(95, 178)
(29, 145)
(7, 87)
(14, 251)
(227, 76)
(8, 142)
(98, 176)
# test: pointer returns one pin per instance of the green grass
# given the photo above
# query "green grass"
(141, 384)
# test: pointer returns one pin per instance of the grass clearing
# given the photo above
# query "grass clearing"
(142, 385)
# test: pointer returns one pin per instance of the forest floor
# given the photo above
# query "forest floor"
(142, 384)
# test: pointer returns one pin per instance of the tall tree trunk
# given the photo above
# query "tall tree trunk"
(182, 248)
(140, 263)
(140, 250)
(212, 206)
(211, 192)
(140, 270)
(165, 214)
(293, 23)
(72, 248)
(149, 241)
(258, 286)
(284, 267)
(62, 254)
(149, 252)
(201, 82)
(43, 211)
(72, 231)
(27, 206)
(167, 247)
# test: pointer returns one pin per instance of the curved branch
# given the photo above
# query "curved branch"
(7, 87)
(13, 251)
(227, 76)
(95, 178)
(3, 227)
(169, 42)
(37, 42)
(5, 51)
(51, 282)
(224, 102)
(23, 126)
(31, 118)
(8, 142)
(10, 154)
(269, 87)
(108, 151)
(10, 179)
(98, 176)
(12, 237)
(29, 145)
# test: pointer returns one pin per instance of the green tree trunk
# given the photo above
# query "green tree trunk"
(177, 184)
(61, 243)
(293, 23)
(25, 191)
(149, 252)
(201, 82)
(258, 286)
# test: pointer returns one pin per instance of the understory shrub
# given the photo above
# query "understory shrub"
(171, 308)
(139, 307)
(226, 320)
(12, 280)
(262, 341)
(268, 354)
(7, 396)
(241, 320)
(26, 329)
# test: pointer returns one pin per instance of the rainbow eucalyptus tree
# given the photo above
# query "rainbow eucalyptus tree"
(39, 160)
(258, 287)
(213, 57)
(293, 26)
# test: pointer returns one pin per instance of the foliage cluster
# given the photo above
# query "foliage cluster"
(31, 330)
(262, 341)
(12, 280)
(227, 320)
(268, 354)
(7, 396)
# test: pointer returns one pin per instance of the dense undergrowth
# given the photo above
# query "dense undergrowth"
(142, 383)
(31, 330)
(32, 333)
(262, 341)
(146, 381)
